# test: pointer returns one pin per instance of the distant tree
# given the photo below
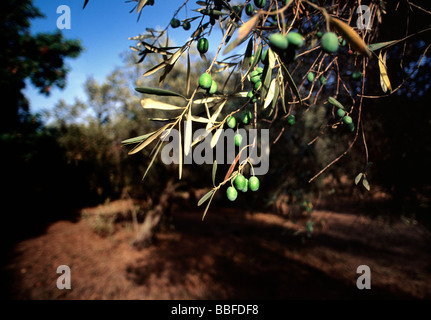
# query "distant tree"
(39, 58)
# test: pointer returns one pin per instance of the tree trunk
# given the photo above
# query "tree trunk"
(152, 220)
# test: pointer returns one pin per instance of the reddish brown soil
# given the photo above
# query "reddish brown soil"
(231, 255)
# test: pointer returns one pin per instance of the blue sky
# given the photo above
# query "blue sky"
(103, 27)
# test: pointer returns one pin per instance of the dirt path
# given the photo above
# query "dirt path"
(232, 255)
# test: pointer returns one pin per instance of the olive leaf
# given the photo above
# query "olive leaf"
(215, 138)
(180, 152)
(188, 134)
(292, 84)
(159, 92)
(267, 75)
(205, 197)
(271, 93)
(384, 79)
(157, 148)
(256, 59)
(351, 36)
(381, 45)
(152, 104)
(148, 140)
(137, 139)
(248, 53)
(188, 74)
(155, 69)
(214, 171)
(141, 4)
(243, 32)
(208, 205)
(335, 102)
(358, 178)
(366, 184)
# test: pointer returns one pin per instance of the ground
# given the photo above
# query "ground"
(231, 255)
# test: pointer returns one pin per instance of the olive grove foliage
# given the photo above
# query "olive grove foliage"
(292, 63)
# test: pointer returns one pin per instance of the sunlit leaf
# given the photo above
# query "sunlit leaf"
(384, 79)
(160, 144)
(141, 4)
(207, 100)
(270, 94)
(366, 184)
(213, 118)
(152, 104)
(200, 119)
(205, 197)
(358, 178)
(351, 36)
(188, 133)
(215, 138)
(150, 139)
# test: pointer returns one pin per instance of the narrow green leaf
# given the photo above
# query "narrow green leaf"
(335, 102)
(148, 140)
(160, 144)
(358, 178)
(159, 92)
(137, 139)
(208, 206)
(205, 197)
(381, 45)
(214, 171)
(155, 69)
(292, 84)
